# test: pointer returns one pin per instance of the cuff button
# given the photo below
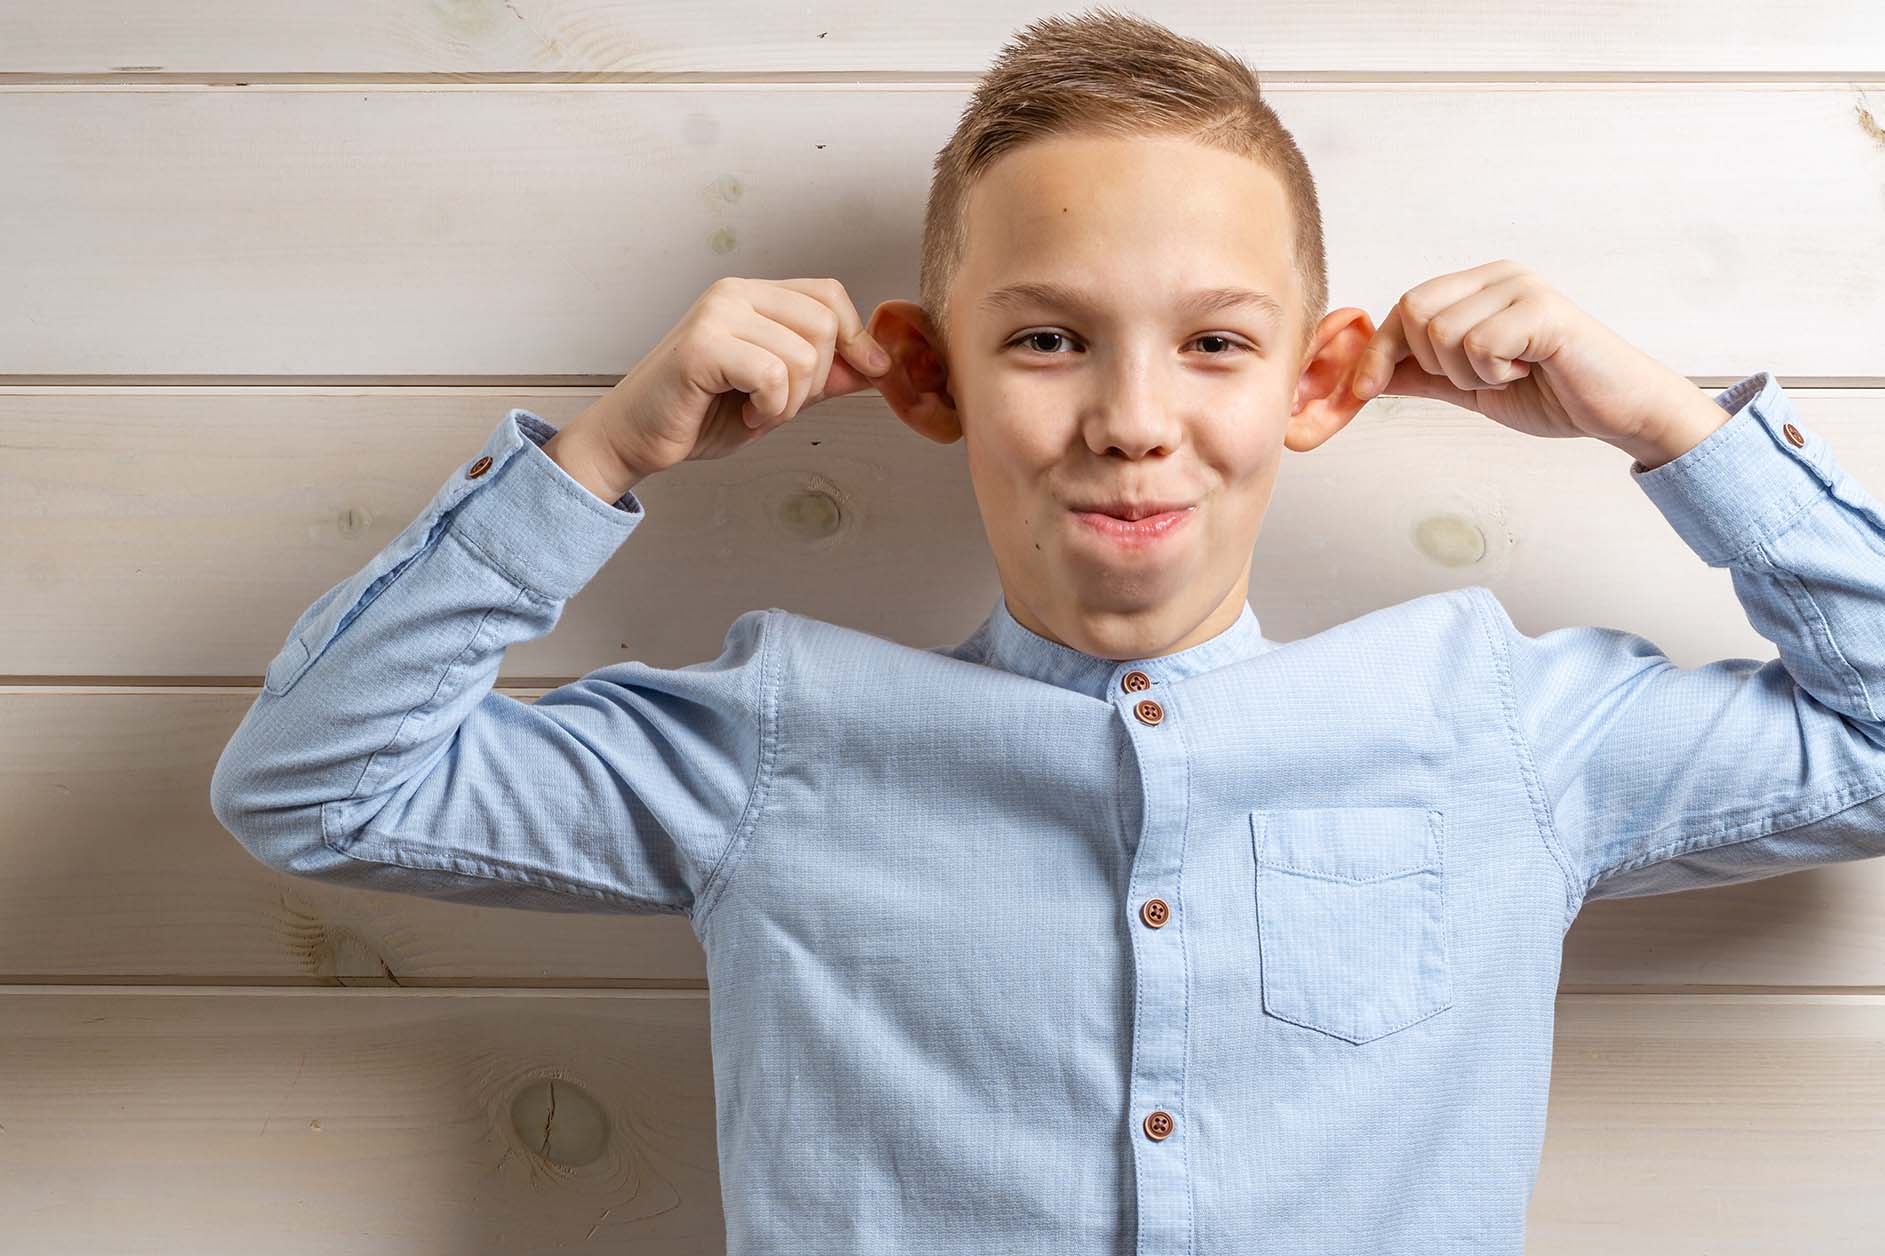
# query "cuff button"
(478, 468)
(1793, 436)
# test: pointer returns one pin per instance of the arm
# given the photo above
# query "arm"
(1649, 777)
(377, 756)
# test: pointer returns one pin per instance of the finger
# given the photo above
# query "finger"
(859, 348)
(846, 379)
(1421, 302)
(1500, 346)
(807, 320)
(1377, 361)
(1450, 329)
(1414, 331)
(744, 365)
(796, 357)
(1410, 379)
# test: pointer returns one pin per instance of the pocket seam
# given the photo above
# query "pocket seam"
(1434, 830)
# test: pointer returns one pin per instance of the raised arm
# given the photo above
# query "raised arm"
(378, 756)
(1652, 777)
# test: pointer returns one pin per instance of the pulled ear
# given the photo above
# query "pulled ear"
(1325, 398)
(916, 386)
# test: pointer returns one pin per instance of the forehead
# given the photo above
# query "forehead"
(1130, 215)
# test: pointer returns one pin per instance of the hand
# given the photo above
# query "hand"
(1497, 339)
(746, 357)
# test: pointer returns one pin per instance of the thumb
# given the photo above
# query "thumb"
(1410, 379)
(843, 380)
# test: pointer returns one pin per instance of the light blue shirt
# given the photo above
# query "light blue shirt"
(1249, 948)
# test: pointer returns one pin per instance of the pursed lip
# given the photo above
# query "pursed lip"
(1130, 509)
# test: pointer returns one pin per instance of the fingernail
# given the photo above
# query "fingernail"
(875, 356)
(1364, 384)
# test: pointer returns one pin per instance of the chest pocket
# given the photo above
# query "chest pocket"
(1351, 917)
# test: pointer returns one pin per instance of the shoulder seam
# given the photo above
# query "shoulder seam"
(740, 839)
(1528, 771)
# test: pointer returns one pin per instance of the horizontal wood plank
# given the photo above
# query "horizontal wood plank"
(1713, 1125)
(549, 232)
(624, 36)
(383, 1121)
(398, 1122)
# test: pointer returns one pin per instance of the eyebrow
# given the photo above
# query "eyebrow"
(1060, 296)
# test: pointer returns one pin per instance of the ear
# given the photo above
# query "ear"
(917, 383)
(1325, 400)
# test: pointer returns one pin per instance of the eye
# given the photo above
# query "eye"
(1026, 336)
(1211, 335)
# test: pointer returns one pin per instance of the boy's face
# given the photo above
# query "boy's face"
(1128, 394)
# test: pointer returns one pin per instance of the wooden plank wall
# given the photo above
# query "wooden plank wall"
(272, 268)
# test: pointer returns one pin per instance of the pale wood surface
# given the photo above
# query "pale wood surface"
(595, 38)
(405, 231)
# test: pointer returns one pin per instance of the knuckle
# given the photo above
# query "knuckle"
(829, 322)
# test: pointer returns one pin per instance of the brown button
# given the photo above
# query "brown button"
(1155, 912)
(1158, 1125)
(1793, 436)
(1134, 681)
(1148, 710)
(478, 468)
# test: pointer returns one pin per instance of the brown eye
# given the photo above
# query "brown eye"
(1225, 339)
(1027, 337)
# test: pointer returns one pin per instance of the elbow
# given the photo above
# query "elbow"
(278, 837)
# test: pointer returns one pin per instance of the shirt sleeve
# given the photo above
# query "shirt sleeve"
(377, 756)
(1649, 777)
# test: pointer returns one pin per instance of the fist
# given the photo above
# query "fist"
(746, 357)
(1498, 339)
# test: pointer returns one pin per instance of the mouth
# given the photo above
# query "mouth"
(1120, 509)
(1134, 528)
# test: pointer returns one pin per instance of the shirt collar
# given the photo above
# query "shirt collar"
(1003, 641)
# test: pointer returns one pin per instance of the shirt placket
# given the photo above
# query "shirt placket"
(1154, 914)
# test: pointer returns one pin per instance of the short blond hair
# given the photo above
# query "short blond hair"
(1107, 72)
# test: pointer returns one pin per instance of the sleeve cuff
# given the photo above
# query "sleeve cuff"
(1745, 480)
(529, 517)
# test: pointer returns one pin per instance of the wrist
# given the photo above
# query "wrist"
(582, 449)
(1686, 427)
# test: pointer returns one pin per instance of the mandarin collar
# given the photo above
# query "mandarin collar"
(1005, 642)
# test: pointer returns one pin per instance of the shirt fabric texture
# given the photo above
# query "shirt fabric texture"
(939, 1020)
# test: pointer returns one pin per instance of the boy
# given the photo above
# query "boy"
(1116, 927)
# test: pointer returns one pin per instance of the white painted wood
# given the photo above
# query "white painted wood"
(596, 37)
(415, 231)
(364, 1122)
(1713, 1125)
